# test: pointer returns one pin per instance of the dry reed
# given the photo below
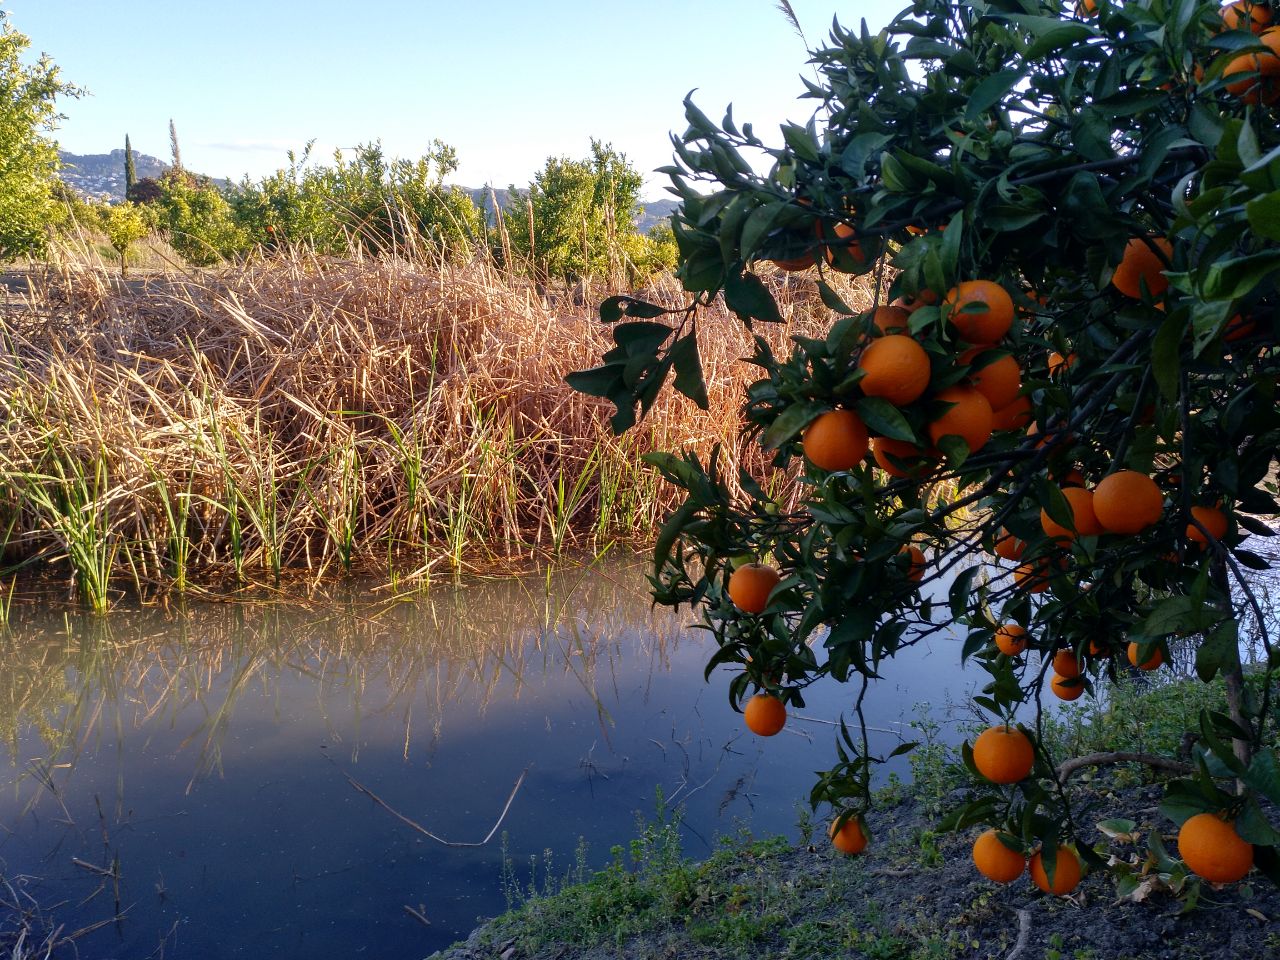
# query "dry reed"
(388, 417)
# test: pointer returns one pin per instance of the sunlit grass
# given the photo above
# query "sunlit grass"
(391, 418)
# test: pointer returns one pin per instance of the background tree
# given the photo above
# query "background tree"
(173, 146)
(28, 157)
(1062, 408)
(130, 172)
(198, 219)
(124, 223)
(577, 217)
(368, 201)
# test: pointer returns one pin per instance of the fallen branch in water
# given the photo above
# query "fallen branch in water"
(1101, 759)
(420, 914)
(423, 830)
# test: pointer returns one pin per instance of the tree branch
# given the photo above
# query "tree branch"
(1068, 767)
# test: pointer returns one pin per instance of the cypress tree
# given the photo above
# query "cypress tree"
(173, 142)
(130, 173)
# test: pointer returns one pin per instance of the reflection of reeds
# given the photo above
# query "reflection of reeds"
(94, 679)
(325, 415)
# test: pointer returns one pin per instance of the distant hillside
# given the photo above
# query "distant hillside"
(651, 214)
(98, 174)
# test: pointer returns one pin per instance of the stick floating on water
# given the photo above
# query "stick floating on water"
(423, 830)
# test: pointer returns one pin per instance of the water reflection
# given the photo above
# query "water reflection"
(195, 767)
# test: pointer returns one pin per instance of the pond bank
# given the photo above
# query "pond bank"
(913, 895)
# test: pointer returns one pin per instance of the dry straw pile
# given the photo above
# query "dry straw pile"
(319, 415)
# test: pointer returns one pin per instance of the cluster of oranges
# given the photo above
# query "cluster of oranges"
(897, 369)
(1005, 755)
(1207, 842)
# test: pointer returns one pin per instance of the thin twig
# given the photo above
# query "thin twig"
(423, 830)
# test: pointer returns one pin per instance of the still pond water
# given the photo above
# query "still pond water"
(206, 758)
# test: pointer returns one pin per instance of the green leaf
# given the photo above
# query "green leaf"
(896, 177)
(688, 367)
(884, 418)
(790, 422)
(759, 223)
(1264, 775)
(958, 596)
(1058, 38)
(747, 296)
(832, 300)
(642, 338)
(1238, 277)
(955, 449)
(801, 142)
(615, 308)
(670, 531)
(1167, 616)
(1183, 799)
(598, 381)
(1218, 651)
(1264, 215)
(990, 91)
(1254, 827)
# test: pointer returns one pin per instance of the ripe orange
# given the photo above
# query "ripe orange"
(1066, 688)
(915, 566)
(794, 264)
(1013, 417)
(765, 715)
(849, 839)
(890, 319)
(1003, 754)
(1066, 665)
(1244, 15)
(981, 310)
(994, 860)
(1058, 363)
(1085, 521)
(1211, 849)
(912, 303)
(1008, 546)
(1212, 519)
(1097, 648)
(1072, 478)
(970, 418)
(897, 369)
(1262, 71)
(845, 254)
(1086, 8)
(1032, 577)
(836, 440)
(912, 460)
(1127, 502)
(1141, 265)
(1151, 663)
(1239, 327)
(750, 586)
(1011, 639)
(998, 380)
(1066, 873)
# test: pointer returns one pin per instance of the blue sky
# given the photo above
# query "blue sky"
(508, 84)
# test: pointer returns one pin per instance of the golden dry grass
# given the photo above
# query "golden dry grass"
(300, 413)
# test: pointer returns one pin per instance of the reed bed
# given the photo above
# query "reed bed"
(318, 416)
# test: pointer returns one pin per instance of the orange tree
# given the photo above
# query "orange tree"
(1071, 219)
